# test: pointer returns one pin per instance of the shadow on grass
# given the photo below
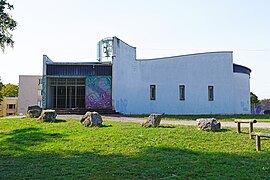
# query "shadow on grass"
(225, 130)
(60, 121)
(102, 126)
(22, 139)
(94, 162)
(166, 126)
(150, 163)
(244, 132)
(106, 125)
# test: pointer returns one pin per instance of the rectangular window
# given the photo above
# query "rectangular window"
(152, 92)
(210, 93)
(182, 92)
(39, 92)
(11, 106)
(39, 81)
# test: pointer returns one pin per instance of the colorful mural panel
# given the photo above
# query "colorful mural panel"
(98, 92)
(44, 92)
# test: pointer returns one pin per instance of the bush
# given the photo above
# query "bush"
(266, 111)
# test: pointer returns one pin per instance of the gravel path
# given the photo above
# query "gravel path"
(118, 118)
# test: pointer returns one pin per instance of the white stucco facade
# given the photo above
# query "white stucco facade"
(131, 80)
(30, 87)
(241, 93)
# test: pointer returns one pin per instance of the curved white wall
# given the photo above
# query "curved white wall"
(132, 79)
(241, 93)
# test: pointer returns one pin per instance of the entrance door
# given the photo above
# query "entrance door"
(71, 97)
(67, 93)
(80, 97)
(61, 96)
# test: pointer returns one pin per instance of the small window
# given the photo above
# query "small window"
(152, 92)
(182, 92)
(62, 81)
(80, 81)
(11, 106)
(210, 93)
(39, 81)
(39, 92)
(71, 81)
(53, 82)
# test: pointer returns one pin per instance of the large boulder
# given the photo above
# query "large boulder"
(34, 111)
(91, 119)
(48, 115)
(153, 120)
(208, 124)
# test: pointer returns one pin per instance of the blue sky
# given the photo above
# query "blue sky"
(68, 30)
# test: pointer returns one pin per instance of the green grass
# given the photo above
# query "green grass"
(258, 117)
(30, 149)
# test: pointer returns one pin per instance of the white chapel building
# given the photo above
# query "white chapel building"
(202, 83)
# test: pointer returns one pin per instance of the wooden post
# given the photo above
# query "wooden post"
(258, 143)
(250, 129)
(238, 127)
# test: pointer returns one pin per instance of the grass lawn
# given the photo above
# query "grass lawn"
(30, 149)
(258, 117)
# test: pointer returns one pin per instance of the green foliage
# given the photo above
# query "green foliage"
(1, 87)
(253, 98)
(7, 24)
(10, 90)
(67, 150)
(265, 100)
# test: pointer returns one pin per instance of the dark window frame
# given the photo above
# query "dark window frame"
(182, 92)
(211, 93)
(11, 106)
(153, 92)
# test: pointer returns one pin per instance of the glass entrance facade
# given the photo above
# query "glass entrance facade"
(82, 85)
(67, 92)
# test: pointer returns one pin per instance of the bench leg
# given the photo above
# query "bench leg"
(250, 129)
(258, 143)
(238, 128)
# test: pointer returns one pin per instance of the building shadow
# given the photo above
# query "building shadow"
(151, 163)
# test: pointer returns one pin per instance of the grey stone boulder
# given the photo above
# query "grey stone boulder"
(34, 111)
(153, 120)
(91, 119)
(209, 124)
(48, 115)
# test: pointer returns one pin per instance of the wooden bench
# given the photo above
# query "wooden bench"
(258, 138)
(245, 121)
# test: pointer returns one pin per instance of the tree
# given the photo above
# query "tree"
(253, 101)
(10, 90)
(253, 98)
(7, 24)
(1, 87)
(265, 100)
